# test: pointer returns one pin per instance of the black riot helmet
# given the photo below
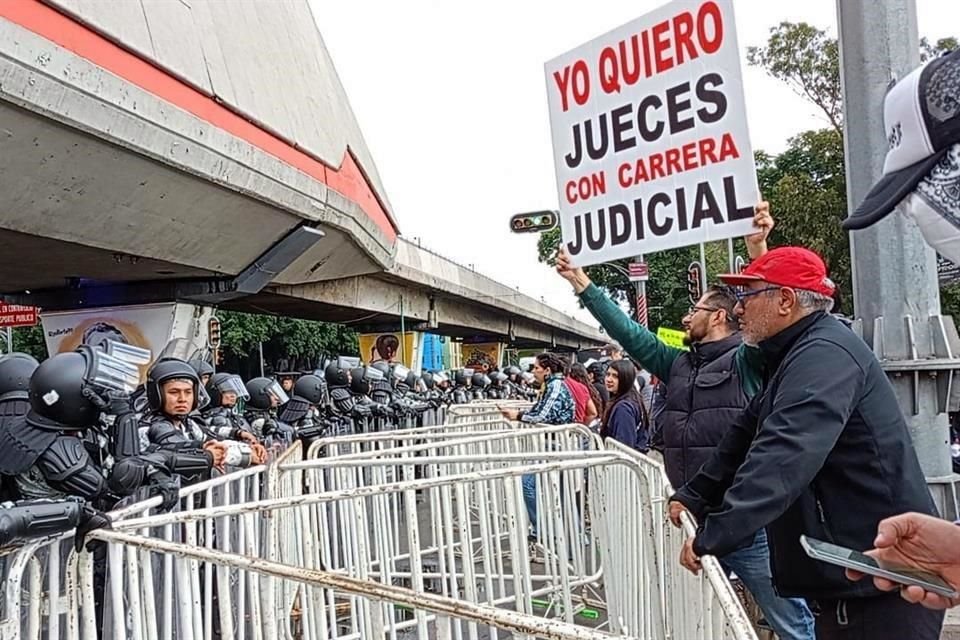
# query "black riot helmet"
(463, 377)
(336, 377)
(202, 367)
(15, 372)
(479, 381)
(512, 371)
(428, 380)
(382, 366)
(167, 369)
(413, 381)
(223, 383)
(60, 386)
(311, 388)
(266, 394)
(361, 377)
(499, 377)
(358, 381)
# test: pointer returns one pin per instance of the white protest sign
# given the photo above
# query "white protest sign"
(650, 135)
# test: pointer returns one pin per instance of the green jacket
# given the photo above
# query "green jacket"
(652, 354)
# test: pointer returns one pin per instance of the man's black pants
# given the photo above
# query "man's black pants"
(884, 617)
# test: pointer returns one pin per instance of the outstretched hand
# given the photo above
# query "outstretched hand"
(763, 223)
(574, 275)
(917, 541)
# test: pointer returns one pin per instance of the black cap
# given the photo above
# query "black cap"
(921, 114)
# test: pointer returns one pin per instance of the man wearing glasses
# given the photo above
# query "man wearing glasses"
(707, 388)
(822, 450)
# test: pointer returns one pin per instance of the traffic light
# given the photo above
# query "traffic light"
(694, 282)
(533, 222)
(213, 332)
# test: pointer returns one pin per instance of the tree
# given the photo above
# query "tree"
(940, 47)
(808, 60)
(806, 184)
(807, 190)
(242, 334)
(30, 340)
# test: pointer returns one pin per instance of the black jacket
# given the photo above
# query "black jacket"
(704, 397)
(822, 450)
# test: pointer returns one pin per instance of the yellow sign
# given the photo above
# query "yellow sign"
(482, 357)
(672, 338)
(375, 347)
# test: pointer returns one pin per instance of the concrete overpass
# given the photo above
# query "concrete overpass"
(206, 151)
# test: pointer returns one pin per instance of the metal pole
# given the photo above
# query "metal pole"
(732, 264)
(896, 294)
(403, 333)
(9, 339)
(642, 316)
(260, 348)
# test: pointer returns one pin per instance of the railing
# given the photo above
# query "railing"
(420, 532)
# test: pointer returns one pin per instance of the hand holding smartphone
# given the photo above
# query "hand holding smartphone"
(850, 559)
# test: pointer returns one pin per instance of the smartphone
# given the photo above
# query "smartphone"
(843, 557)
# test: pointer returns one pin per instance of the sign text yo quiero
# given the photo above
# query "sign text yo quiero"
(650, 135)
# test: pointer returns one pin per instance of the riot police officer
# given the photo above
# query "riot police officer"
(48, 452)
(302, 412)
(224, 390)
(266, 397)
(174, 393)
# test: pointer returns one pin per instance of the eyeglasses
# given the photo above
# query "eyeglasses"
(741, 294)
(694, 309)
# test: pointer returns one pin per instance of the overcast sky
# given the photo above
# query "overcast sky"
(452, 102)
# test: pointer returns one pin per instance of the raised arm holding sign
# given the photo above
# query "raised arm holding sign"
(650, 135)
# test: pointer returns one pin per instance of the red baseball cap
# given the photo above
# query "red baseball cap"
(793, 267)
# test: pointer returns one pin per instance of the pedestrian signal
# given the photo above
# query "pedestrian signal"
(533, 222)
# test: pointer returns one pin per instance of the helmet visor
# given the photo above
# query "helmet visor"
(277, 392)
(400, 372)
(372, 375)
(133, 354)
(110, 373)
(234, 385)
(181, 349)
(203, 398)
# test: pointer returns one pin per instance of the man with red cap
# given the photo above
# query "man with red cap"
(822, 450)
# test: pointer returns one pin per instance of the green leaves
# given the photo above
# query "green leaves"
(808, 61)
(242, 333)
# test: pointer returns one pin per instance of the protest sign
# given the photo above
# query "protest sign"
(650, 135)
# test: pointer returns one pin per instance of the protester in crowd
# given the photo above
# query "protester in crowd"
(612, 352)
(597, 372)
(584, 395)
(625, 419)
(706, 389)
(833, 457)
(554, 406)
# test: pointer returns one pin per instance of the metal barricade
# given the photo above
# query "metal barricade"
(436, 544)
(701, 607)
(419, 532)
(378, 459)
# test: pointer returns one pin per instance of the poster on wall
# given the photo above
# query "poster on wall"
(482, 357)
(145, 326)
(386, 347)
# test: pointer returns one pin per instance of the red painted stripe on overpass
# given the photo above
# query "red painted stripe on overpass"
(66, 32)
